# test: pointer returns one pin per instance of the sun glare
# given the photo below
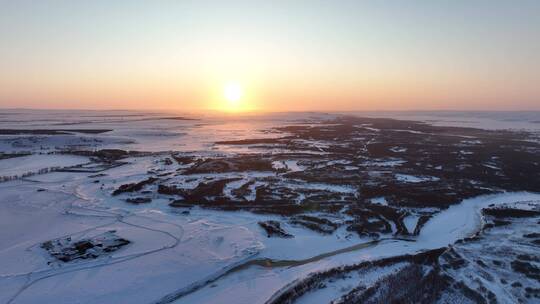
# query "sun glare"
(233, 93)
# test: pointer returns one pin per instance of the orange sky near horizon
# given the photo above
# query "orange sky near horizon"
(301, 56)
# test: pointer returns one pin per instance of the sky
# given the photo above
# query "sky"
(282, 55)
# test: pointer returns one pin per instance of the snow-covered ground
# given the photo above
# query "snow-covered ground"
(258, 284)
(172, 251)
(175, 254)
(518, 120)
(166, 250)
(142, 131)
(18, 166)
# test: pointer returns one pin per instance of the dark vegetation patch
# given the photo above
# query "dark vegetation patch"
(431, 151)
(139, 200)
(132, 187)
(528, 257)
(205, 193)
(361, 153)
(273, 229)
(472, 270)
(372, 219)
(167, 161)
(106, 155)
(184, 159)
(422, 220)
(294, 291)
(317, 224)
(452, 260)
(484, 263)
(232, 164)
(12, 155)
(409, 285)
(67, 250)
(504, 212)
(498, 223)
(526, 268)
(532, 292)
(101, 160)
(268, 200)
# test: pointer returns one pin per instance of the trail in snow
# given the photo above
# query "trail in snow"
(119, 218)
(268, 264)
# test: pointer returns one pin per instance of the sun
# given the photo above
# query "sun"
(234, 98)
(233, 92)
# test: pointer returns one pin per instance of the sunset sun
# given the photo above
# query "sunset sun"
(233, 93)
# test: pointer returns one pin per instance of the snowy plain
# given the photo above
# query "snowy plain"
(171, 252)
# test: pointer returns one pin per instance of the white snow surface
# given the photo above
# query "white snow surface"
(169, 251)
(17, 166)
(256, 284)
(381, 200)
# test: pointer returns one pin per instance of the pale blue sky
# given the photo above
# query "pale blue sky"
(343, 55)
